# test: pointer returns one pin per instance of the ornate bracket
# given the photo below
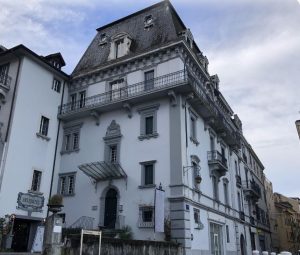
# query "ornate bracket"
(96, 116)
(208, 122)
(128, 109)
(173, 98)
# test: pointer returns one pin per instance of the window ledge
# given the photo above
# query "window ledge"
(69, 151)
(35, 192)
(149, 136)
(148, 186)
(194, 140)
(68, 195)
(43, 136)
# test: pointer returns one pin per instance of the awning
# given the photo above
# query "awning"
(102, 171)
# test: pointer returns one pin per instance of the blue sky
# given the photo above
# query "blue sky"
(253, 45)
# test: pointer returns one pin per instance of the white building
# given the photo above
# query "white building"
(142, 110)
(31, 89)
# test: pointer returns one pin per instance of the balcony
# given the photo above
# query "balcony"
(5, 82)
(132, 93)
(252, 190)
(238, 181)
(242, 215)
(217, 163)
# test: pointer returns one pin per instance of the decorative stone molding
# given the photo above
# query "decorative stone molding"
(173, 98)
(96, 116)
(128, 109)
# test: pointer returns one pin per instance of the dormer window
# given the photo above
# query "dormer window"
(148, 21)
(120, 46)
(103, 39)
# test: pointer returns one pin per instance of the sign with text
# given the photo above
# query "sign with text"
(30, 202)
(159, 210)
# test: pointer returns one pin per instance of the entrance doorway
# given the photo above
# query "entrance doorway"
(110, 214)
(21, 232)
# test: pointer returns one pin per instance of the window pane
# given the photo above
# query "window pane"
(44, 126)
(148, 174)
(149, 125)
(75, 141)
(71, 185)
(149, 79)
(82, 99)
(113, 154)
(147, 215)
(36, 180)
(67, 142)
(62, 185)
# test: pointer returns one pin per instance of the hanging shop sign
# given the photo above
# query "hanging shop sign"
(30, 202)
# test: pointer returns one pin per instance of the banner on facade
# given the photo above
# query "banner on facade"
(159, 210)
(37, 245)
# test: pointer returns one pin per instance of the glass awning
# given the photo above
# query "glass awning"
(102, 170)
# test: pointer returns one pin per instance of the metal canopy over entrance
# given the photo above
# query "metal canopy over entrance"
(102, 170)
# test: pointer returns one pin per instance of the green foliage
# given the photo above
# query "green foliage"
(126, 233)
(56, 200)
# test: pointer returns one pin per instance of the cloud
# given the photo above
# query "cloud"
(253, 45)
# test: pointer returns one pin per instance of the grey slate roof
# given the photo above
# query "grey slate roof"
(166, 29)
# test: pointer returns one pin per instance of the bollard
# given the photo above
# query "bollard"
(273, 253)
(265, 253)
(255, 252)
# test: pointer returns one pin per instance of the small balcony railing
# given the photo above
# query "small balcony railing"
(126, 92)
(215, 156)
(5, 81)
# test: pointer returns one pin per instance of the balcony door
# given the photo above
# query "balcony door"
(149, 80)
(111, 204)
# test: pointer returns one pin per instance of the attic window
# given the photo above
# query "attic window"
(120, 46)
(148, 21)
(103, 39)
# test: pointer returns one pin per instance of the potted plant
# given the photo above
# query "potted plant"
(55, 203)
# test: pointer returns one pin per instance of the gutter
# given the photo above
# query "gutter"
(56, 146)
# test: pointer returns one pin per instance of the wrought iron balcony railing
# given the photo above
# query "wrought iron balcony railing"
(126, 92)
(5, 81)
(215, 156)
(252, 189)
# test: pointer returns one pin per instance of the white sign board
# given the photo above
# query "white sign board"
(57, 229)
(90, 232)
(159, 210)
(37, 245)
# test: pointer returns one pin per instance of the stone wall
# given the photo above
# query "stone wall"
(111, 246)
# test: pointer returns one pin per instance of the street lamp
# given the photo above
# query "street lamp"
(298, 127)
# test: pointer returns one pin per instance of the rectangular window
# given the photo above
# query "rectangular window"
(75, 141)
(115, 89)
(146, 217)
(148, 174)
(239, 201)
(67, 142)
(82, 99)
(226, 198)
(44, 126)
(56, 85)
(197, 216)
(215, 188)
(216, 239)
(4, 79)
(71, 138)
(149, 79)
(119, 48)
(36, 180)
(73, 98)
(193, 127)
(67, 184)
(113, 153)
(227, 234)
(212, 143)
(149, 125)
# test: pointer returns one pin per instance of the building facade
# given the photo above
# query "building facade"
(31, 89)
(141, 110)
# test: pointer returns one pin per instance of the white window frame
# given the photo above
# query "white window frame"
(143, 174)
(67, 188)
(148, 111)
(71, 140)
(142, 210)
(56, 85)
(193, 126)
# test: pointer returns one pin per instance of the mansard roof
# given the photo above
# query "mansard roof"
(167, 28)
